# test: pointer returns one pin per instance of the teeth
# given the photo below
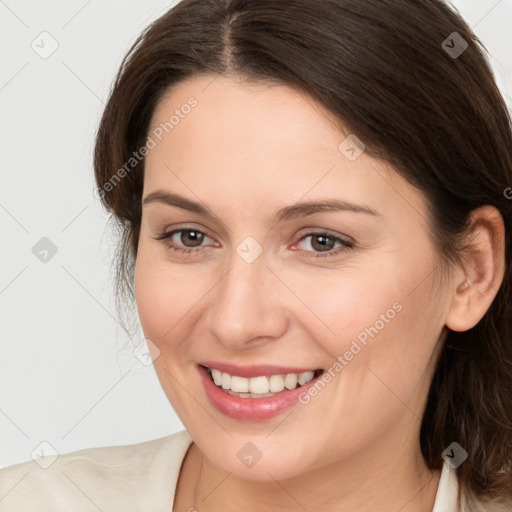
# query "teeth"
(276, 383)
(217, 376)
(259, 385)
(290, 382)
(240, 385)
(226, 381)
(305, 377)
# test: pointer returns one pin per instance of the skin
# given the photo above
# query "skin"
(246, 150)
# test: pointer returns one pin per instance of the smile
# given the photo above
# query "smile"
(259, 402)
(261, 386)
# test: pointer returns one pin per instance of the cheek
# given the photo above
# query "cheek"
(375, 324)
(381, 352)
(345, 304)
(165, 300)
(171, 298)
(163, 296)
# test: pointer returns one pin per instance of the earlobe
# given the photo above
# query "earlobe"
(477, 282)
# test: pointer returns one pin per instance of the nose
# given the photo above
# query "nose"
(248, 305)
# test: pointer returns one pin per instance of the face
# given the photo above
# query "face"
(245, 280)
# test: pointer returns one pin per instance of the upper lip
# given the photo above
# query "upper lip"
(254, 370)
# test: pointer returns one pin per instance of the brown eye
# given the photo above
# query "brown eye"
(322, 242)
(325, 243)
(191, 237)
(186, 240)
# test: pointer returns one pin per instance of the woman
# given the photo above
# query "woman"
(317, 235)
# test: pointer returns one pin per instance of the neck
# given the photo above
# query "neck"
(380, 479)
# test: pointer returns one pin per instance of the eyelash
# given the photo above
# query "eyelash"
(345, 243)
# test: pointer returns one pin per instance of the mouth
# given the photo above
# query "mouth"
(258, 402)
(259, 386)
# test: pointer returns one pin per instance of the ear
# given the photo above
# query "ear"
(476, 283)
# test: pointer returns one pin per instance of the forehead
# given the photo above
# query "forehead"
(256, 112)
(238, 136)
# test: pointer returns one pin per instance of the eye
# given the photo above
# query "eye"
(324, 243)
(188, 240)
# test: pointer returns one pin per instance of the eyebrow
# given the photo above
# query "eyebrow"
(287, 213)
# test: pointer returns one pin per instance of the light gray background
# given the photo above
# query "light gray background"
(67, 374)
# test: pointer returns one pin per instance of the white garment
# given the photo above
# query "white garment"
(132, 478)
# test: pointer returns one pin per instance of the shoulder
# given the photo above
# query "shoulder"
(139, 476)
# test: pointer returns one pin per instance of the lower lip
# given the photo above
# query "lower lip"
(253, 409)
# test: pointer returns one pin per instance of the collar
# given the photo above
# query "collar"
(447, 491)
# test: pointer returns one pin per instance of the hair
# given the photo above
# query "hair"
(382, 69)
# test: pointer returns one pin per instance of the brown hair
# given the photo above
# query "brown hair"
(381, 67)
